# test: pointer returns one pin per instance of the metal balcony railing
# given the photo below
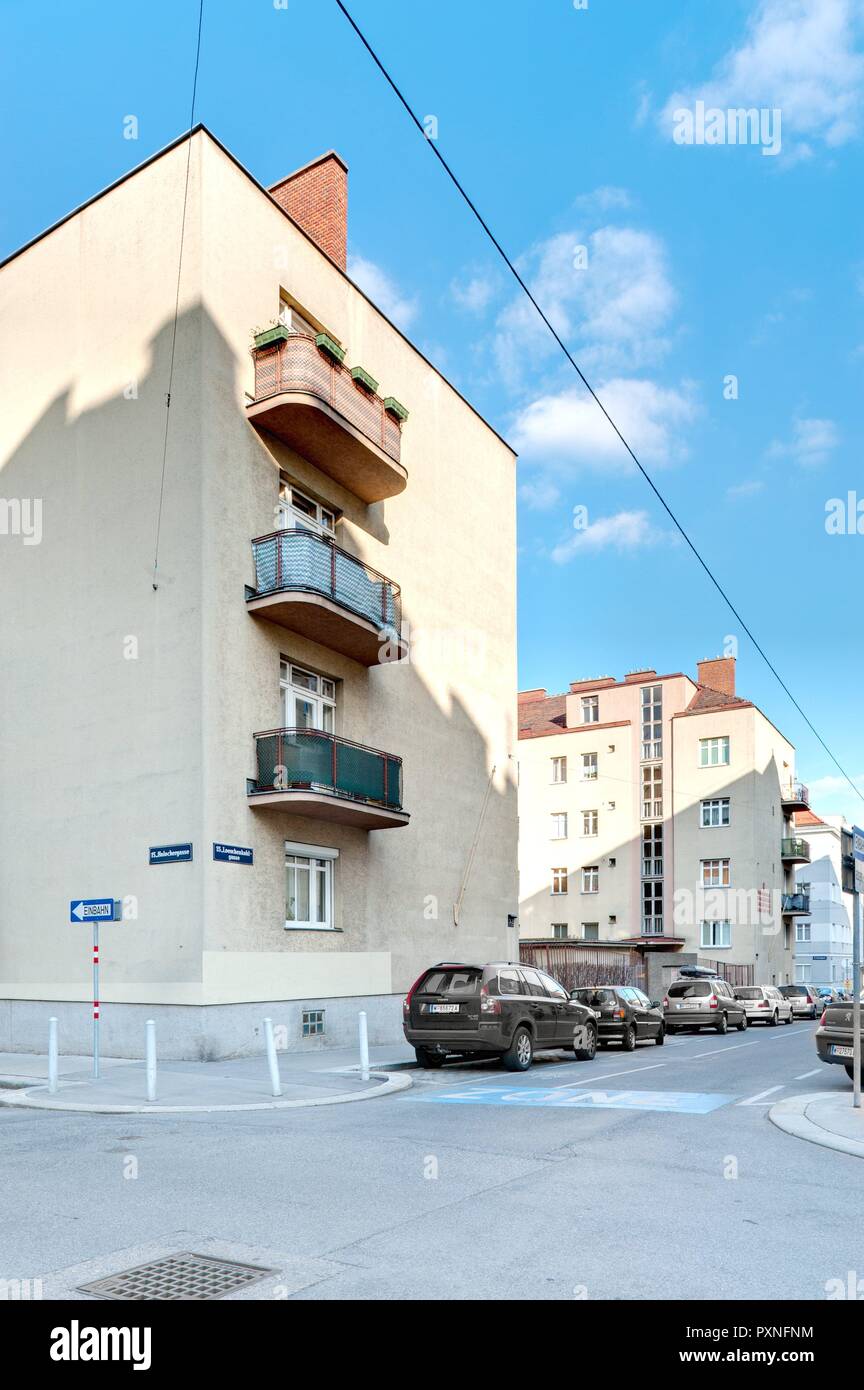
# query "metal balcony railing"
(311, 760)
(296, 364)
(795, 792)
(796, 902)
(792, 848)
(298, 559)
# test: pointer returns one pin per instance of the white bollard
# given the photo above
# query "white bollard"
(52, 1056)
(364, 1047)
(272, 1059)
(151, 1059)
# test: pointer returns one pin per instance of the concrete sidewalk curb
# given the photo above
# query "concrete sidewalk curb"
(791, 1116)
(25, 1100)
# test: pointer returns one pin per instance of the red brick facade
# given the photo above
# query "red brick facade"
(316, 196)
(718, 673)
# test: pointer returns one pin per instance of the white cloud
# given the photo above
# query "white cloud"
(623, 531)
(604, 199)
(801, 56)
(540, 495)
(833, 796)
(383, 291)
(747, 489)
(474, 293)
(811, 443)
(567, 430)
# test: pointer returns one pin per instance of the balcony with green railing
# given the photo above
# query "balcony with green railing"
(307, 583)
(312, 773)
(794, 851)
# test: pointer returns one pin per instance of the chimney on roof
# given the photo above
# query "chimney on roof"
(718, 673)
(316, 196)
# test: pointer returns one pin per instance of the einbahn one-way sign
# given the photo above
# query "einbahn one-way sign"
(91, 910)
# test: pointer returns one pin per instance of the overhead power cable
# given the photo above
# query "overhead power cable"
(432, 144)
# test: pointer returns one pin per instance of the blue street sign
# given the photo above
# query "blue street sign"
(232, 854)
(858, 852)
(170, 854)
(91, 910)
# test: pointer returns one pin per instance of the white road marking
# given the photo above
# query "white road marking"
(758, 1098)
(804, 1075)
(606, 1076)
(715, 1050)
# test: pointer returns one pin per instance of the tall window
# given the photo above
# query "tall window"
(590, 709)
(308, 891)
(297, 511)
(559, 825)
(714, 752)
(590, 931)
(652, 792)
(559, 931)
(589, 767)
(589, 822)
(803, 973)
(652, 907)
(652, 721)
(715, 873)
(716, 934)
(591, 879)
(294, 321)
(802, 931)
(559, 769)
(309, 700)
(715, 812)
(559, 882)
(652, 851)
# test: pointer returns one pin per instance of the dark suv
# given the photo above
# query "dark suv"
(500, 1010)
(624, 1014)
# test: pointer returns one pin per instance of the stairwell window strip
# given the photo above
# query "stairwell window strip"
(652, 851)
(716, 935)
(714, 752)
(652, 722)
(715, 811)
(652, 792)
(652, 908)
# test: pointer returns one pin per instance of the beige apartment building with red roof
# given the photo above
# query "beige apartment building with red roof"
(657, 811)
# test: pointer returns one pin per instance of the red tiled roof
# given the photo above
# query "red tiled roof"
(807, 818)
(542, 716)
(707, 699)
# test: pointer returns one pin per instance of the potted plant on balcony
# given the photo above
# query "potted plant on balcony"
(395, 407)
(276, 333)
(362, 378)
(330, 347)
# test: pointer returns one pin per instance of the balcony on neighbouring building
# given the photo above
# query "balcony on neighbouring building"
(309, 584)
(311, 402)
(311, 773)
(796, 904)
(794, 796)
(794, 851)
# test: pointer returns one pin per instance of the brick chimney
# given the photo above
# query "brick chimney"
(718, 673)
(316, 196)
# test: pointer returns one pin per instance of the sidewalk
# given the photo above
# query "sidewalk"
(323, 1077)
(826, 1118)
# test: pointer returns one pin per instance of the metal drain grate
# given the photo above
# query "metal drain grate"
(181, 1276)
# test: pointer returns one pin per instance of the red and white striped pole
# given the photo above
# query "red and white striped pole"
(95, 1000)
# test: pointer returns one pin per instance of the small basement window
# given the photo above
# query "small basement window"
(313, 1022)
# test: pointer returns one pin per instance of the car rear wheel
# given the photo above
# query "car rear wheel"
(775, 1019)
(850, 1072)
(589, 1052)
(628, 1042)
(520, 1053)
(743, 1024)
(661, 1037)
(723, 1024)
(788, 1018)
(428, 1059)
(670, 1030)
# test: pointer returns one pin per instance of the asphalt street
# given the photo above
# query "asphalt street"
(639, 1175)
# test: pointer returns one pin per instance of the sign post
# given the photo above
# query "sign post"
(858, 855)
(93, 910)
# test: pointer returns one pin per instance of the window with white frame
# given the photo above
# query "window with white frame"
(559, 825)
(652, 851)
(559, 769)
(590, 821)
(590, 931)
(559, 882)
(309, 699)
(297, 511)
(308, 891)
(652, 792)
(716, 934)
(294, 321)
(590, 709)
(715, 811)
(714, 752)
(652, 721)
(559, 931)
(652, 907)
(802, 931)
(803, 973)
(589, 767)
(715, 873)
(591, 879)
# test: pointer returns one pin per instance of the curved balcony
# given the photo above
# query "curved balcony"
(796, 904)
(311, 773)
(309, 584)
(314, 404)
(794, 796)
(794, 851)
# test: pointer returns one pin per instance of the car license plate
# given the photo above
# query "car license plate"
(443, 1008)
(837, 1051)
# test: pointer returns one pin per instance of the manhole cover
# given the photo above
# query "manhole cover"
(182, 1276)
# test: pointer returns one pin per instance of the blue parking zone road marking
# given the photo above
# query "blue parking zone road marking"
(675, 1102)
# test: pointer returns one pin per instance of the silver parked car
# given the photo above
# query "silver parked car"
(700, 999)
(804, 1000)
(765, 1004)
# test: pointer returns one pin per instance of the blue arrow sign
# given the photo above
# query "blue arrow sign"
(91, 910)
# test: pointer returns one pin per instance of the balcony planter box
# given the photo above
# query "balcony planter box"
(272, 335)
(331, 348)
(395, 408)
(362, 378)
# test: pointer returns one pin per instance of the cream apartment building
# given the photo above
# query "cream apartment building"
(271, 750)
(657, 811)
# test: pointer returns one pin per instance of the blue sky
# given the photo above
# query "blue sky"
(700, 261)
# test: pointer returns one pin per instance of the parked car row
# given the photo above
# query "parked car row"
(512, 1011)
